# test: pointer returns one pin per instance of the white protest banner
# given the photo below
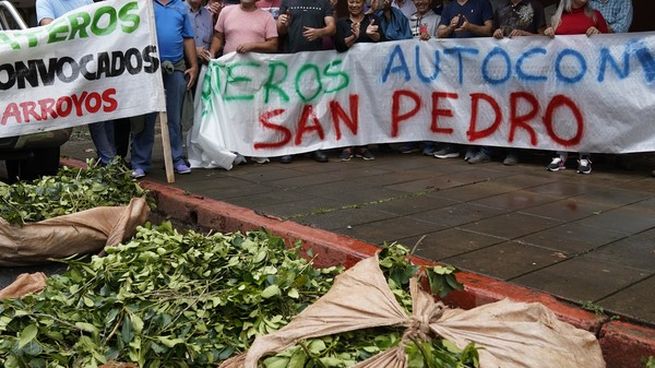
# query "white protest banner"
(568, 93)
(95, 63)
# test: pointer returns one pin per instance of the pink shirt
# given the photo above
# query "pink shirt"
(239, 27)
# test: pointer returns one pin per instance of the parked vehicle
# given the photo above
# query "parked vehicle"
(29, 156)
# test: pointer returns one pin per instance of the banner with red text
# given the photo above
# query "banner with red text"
(568, 93)
(96, 63)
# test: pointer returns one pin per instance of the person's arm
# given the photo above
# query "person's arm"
(44, 13)
(483, 30)
(283, 20)
(312, 34)
(373, 30)
(192, 59)
(270, 45)
(624, 19)
(217, 44)
(345, 36)
(447, 26)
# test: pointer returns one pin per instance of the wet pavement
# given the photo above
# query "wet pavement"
(586, 239)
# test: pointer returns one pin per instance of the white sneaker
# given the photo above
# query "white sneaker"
(556, 164)
(261, 160)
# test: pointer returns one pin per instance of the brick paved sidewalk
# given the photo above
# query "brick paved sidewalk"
(586, 239)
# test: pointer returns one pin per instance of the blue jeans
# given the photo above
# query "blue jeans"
(102, 135)
(142, 142)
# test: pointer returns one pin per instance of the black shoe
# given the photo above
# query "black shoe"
(286, 159)
(319, 156)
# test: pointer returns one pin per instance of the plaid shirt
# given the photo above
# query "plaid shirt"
(617, 13)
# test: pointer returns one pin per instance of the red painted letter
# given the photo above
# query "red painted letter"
(437, 112)
(473, 134)
(286, 133)
(521, 121)
(338, 115)
(396, 116)
(308, 113)
(556, 102)
(11, 111)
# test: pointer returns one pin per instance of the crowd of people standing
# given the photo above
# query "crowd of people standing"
(193, 32)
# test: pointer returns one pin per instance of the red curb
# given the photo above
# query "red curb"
(626, 345)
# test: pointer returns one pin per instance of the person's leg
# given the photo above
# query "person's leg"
(175, 86)
(141, 152)
(102, 134)
(558, 162)
(584, 163)
(122, 137)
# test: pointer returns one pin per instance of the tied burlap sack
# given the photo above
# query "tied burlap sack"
(78, 233)
(509, 334)
(25, 284)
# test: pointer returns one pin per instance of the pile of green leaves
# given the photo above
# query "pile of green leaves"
(650, 363)
(193, 300)
(71, 190)
(163, 299)
(347, 349)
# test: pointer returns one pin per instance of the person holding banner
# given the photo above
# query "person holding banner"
(617, 13)
(102, 133)
(305, 23)
(245, 28)
(466, 19)
(575, 17)
(393, 22)
(357, 27)
(517, 18)
(176, 49)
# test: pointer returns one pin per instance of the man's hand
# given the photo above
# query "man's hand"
(283, 19)
(215, 7)
(498, 34)
(454, 23)
(191, 74)
(464, 26)
(312, 34)
(550, 32)
(203, 54)
(245, 47)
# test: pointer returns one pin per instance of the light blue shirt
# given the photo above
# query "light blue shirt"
(617, 13)
(54, 9)
(203, 26)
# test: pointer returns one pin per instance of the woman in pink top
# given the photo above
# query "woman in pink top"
(575, 17)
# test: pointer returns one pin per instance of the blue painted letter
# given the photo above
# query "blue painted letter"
(402, 68)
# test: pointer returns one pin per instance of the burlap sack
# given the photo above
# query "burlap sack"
(79, 233)
(509, 334)
(24, 284)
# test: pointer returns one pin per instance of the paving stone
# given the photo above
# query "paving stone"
(264, 173)
(390, 230)
(582, 279)
(467, 193)
(457, 215)
(505, 260)
(628, 221)
(511, 226)
(397, 177)
(267, 199)
(449, 243)
(636, 301)
(225, 192)
(344, 218)
(572, 239)
(407, 206)
(515, 200)
(569, 209)
(614, 196)
(353, 194)
(635, 251)
(430, 184)
(303, 207)
(562, 189)
(305, 181)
